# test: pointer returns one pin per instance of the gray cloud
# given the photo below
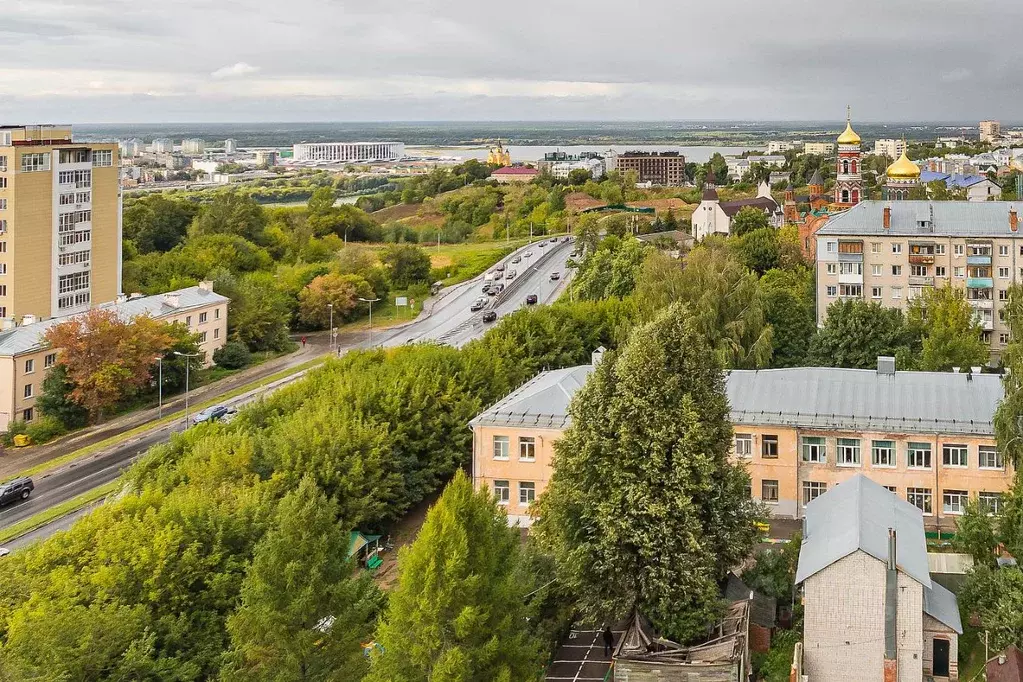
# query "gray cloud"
(123, 60)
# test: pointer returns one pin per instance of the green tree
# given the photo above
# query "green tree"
(758, 250)
(156, 223)
(748, 219)
(259, 312)
(458, 612)
(975, 534)
(610, 271)
(340, 291)
(579, 176)
(1009, 414)
(789, 309)
(231, 213)
(951, 335)
(56, 401)
(406, 265)
(856, 333)
(643, 507)
(996, 597)
(302, 614)
(232, 355)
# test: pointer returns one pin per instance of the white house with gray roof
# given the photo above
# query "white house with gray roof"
(889, 252)
(871, 610)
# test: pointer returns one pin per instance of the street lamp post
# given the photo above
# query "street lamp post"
(188, 362)
(371, 301)
(160, 386)
(331, 306)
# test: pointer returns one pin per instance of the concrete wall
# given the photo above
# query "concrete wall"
(935, 630)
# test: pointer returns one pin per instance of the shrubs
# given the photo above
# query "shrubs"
(232, 355)
(44, 429)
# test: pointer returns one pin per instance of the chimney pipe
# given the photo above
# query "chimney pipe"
(1013, 220)
(887, 217)
(891, 612)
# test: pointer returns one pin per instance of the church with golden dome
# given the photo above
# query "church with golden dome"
(499, 156)
(848, 170)
(900, 178)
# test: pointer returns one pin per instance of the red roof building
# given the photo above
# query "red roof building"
(1006, 666)
(515, 174)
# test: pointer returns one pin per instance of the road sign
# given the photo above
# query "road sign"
(401, 301)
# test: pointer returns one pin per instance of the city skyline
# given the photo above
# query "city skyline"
(314, 61)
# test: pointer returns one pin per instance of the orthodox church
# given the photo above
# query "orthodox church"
(499, 156)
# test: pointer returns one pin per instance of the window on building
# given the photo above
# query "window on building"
(502, 447)
(202, 318)
(939, 271)
(769, 491)
(990, 502)
(769, 446)
(814, 449)
(954, 501)
(49, 360)
(958, 249)
(28, 414)
(3, 311)
(896, 293)
(216, 333)
(812, 490)
(28, 391)
(831, 246)
(3, 204)
(989, 457)
(76, 281)
(876, 270)
(1003, 273)
(891, 488)
(939, 249)
(875, 247)
(502, 491)
(918, 456)
(527, 448)
(527, 492)
(959, 271)
(882, 453)
(3, 164)
(202, 337)
(851, 290)
(918, 270)
(188, 320)
(848, 452)
(954, 455)
(35, 162)
(832, 268)
(920, 498)
(1003, 294)
(875, 292)
(216, 314)
(1003, 250)
(1003, 339)
(744, 445)
(896, 247)
(30, 366)
(896, 270)
(832, 291)
(103, 157)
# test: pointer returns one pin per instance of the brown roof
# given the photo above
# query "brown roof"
(1011, 670)
(763, 203)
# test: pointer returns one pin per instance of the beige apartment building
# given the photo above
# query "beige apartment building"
(890, 251)
(25, 358)
(60, 223)
(990, 131)
(926, 436)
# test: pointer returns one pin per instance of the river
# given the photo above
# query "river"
(529, 154)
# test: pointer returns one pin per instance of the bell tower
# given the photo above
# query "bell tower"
(848, 172)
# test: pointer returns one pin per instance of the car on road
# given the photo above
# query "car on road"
(542, 244)
(498, 275)
(517, 259)
(565, 239)
(489, 316)
(486, 287)
(4, 551)
(18, 489)
(495, 290)
(210, 414)
(529, 254)
(510, 274)
(554, 240)
(531, 299)
(555, 276)
(478, 304)
(499, 267)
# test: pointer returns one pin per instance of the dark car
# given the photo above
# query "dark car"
(489, 316)
(18, 489)
(531, 299)
(495, 289)
(210, 414)
(555, 276)
(565, 239)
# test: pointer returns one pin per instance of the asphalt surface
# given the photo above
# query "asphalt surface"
(450, 322)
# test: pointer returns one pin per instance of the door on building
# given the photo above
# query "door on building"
(940, 658)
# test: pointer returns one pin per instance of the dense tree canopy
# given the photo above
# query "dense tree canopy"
(950, 334)
(856, 333)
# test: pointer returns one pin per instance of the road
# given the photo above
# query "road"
(450, 322)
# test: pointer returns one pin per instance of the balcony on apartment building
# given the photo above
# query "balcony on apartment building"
(921, 253)
(978, 253)
(921, 281)
(850, 252)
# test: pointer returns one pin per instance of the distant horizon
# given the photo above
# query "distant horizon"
(534, 121)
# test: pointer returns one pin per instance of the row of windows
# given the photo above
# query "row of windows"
(935, 249)
(68, 221)
(883, 453)
(527, 492)
(527, 448)
(78, 237)
(81, 179)
(952, 501)
(70, 198)
(203, 317)
(202, 335)
(103, 157)
(75, 281)
(35, 162)
(74, 257)
(74, 300)
(49, 360)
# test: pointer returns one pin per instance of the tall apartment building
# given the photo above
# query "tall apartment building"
(341, 152)
(193, 147)
(819, 148)
(658, 168)
(891, 148)
(888, 252)
(990, 131)
(60, 223)
(162, 145)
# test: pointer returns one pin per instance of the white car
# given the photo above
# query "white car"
(510, 274)
(4, 551)
(529, 254)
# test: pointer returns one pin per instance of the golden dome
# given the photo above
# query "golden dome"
(903, 169)
(849, 136)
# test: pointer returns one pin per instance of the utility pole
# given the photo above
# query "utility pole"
(160, 385)
(188, 363)
(371, 301)
(331, 342)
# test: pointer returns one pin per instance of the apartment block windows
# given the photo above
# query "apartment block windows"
(527, 492)
(812, 490)
(876, 270)
(216, 333)
(49, 360)
(896, 247)
(3, 204)
(875, 247)
(954, 501)
(3, 164)
(769, 447)
(990, 502)
(74, 258)
(959, 271)
(74, 300)
(1003, 273)
(875, 292)
(939, 249)
(3, 182)
(958, 249)
(892, 489)
(527, 449)
(1003, 339)
(848, 453)
(954, 456)
(832, 291)
(918, 270)
(989, 457)
(896, 270)
(502, 491)
(502, 447)
(202, 318)
(814, 449)
(28, 391)
(81, 179)
(850, 268)
(920, 498)
(832, 268)
(939, 271)
(1003, 250)
(769, 491)
(1003, 294)
(30, 366)
(918, 456)
(851, 290)
(73, 282)
(216, 314)
(31, 163)
(744, 445)
(202, 337)
(896, 293)
(882, 453)
(103, 157)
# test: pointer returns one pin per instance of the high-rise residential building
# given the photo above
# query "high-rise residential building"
(889, 147)
(340, 152)
(658, 168)
(990, 131)
(131, 148)
(889, 252)
(193, 147)
(60, 222)
(230, 146)
(819, 148)
(162, 145)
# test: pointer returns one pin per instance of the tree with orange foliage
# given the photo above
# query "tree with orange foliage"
(107, 358)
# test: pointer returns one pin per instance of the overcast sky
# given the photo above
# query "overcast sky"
(345, 60)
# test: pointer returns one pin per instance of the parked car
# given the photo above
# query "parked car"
(210, 414)
(531, 299)
(510, 274)
(489, 316)
(555, 276)
(517, 259)
(18, 489)
(478, 304)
